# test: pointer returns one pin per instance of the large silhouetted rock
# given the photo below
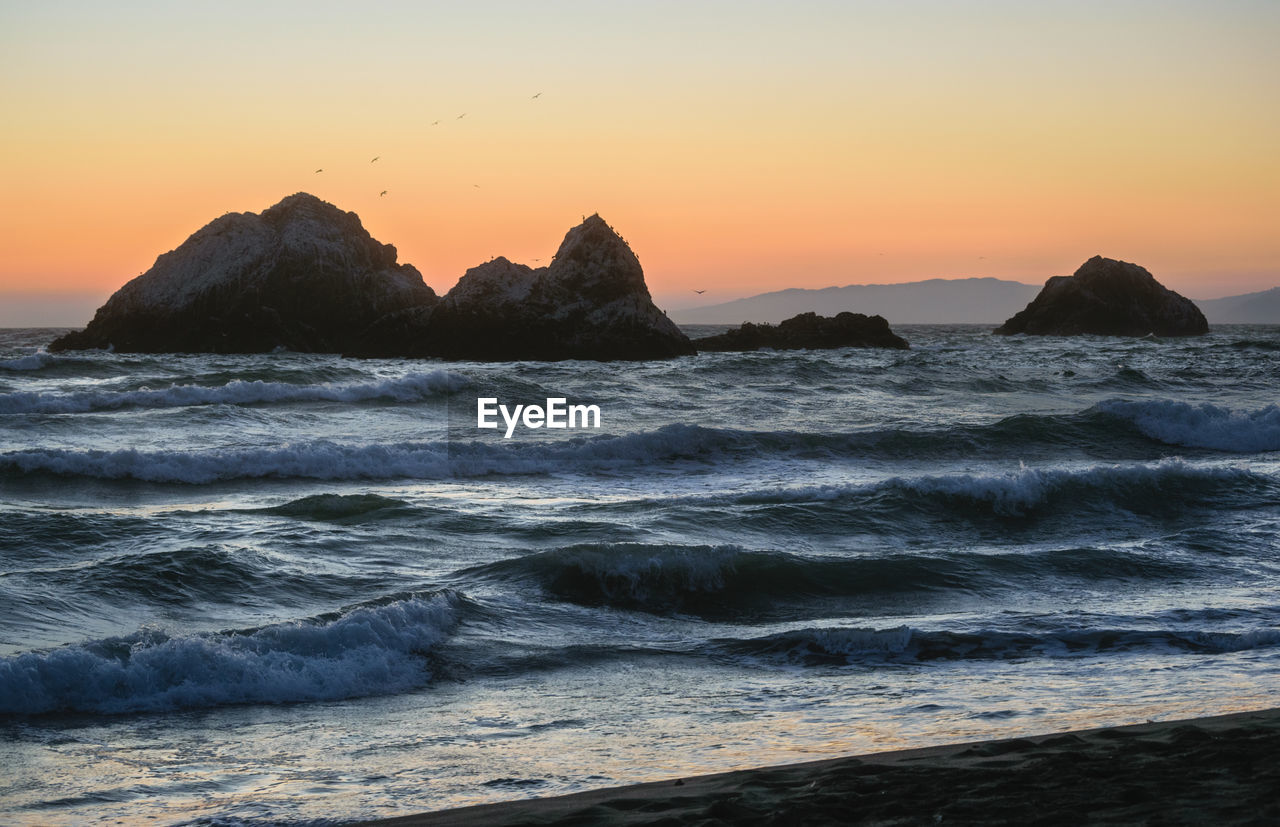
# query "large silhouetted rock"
(591, 302)
(302, 275)
(1106, 297)
(808, 330)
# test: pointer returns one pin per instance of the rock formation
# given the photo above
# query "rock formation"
(1106, 297)
(808, 330)
(306, 276)
(591, 302)
(302, 275)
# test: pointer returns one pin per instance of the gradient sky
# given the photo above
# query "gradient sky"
(739, 147)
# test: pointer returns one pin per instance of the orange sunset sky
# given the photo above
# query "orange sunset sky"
(739, 147)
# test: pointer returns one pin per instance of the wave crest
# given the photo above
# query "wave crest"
(32, 361)
(412, 388)
(1201, 426)
(840, 645)
(369, 650)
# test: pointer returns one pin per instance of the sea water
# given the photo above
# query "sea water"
(291, 588)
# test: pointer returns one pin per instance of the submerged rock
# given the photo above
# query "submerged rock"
(302, 275)
(808, 330)
(591, 302)
(1106, 297)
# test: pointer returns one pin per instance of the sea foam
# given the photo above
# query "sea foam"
(35, 361)
(368, 650)
(1201, 426)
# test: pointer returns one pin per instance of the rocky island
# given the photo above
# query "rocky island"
(1106, 297)
(306, 276)
(808, 330)
(302, 275)
(591, 302)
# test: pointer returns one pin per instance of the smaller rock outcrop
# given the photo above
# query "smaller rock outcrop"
(1106, 297)
(808, 330)
(591, 302)
(302, 275)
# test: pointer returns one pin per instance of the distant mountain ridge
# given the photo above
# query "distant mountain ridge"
(939, 301)
(1262, 307)
(933, 301)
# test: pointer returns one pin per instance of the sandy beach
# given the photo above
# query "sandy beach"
(1219, 770)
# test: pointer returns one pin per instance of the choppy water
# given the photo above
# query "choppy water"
(293, 587)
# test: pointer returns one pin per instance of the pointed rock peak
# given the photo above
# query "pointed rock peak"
(593, 234)
(304, 204)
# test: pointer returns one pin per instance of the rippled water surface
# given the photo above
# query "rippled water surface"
(288, 587)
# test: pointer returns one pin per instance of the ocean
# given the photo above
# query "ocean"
(304, 589)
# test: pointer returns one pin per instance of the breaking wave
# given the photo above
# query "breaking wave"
(34, 361)
(372, 649)
(1201, 426)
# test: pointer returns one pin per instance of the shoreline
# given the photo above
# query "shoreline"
(1221, 769)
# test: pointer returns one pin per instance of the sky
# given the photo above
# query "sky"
(739, 147)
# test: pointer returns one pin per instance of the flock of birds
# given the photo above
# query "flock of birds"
(477, 186)
(433, 123)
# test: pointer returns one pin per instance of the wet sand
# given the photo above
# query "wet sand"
(1220, 770)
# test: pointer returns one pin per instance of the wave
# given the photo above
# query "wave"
(411, 388)
(1134, 487)
(373, 649)
(1007, 493)
(334, 461)
(728, 580)
(1256, 344)
(1141, 486)
(335, 507)
(34, 361)
(837, 645)
(1201, 426)
(197, 575)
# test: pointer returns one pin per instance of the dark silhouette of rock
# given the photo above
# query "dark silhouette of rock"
(1106, 297)
(808, 330)
(591, 302)
(306, 276)
(302, 275)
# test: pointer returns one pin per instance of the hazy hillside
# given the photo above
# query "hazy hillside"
(941, 301)
(1250, 308)
(935, 301)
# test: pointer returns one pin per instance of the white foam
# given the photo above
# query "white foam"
(411, 388)
(35, 361)
(1202, 426)
(365, 651)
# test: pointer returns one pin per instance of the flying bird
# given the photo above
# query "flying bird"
(463, 115)
(319, 170)
(435, 123)
(535, 97)
(699, 292)
(376, 157)
(384, 192)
